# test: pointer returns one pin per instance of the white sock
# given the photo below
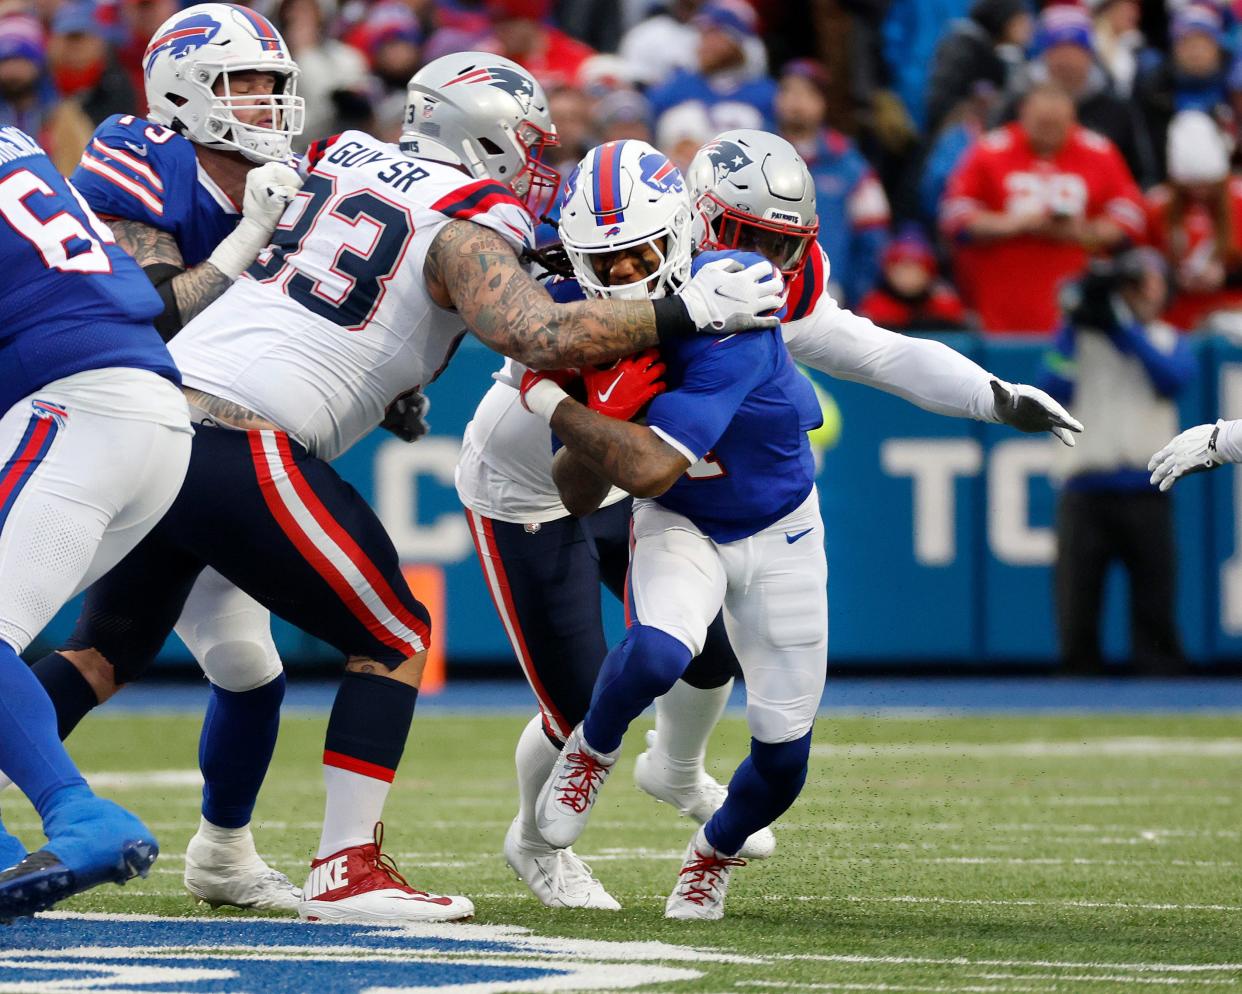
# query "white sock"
(355, 803)
(685, 717)
(534, 758)
(233, 837)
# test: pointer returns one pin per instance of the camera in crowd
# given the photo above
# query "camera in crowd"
(1088, 301)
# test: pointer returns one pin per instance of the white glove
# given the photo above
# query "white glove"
(1031, 410)
(726, 297)
(1193, 451)
(270, 188)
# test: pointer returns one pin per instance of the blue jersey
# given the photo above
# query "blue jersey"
(140, 171)
(739, 410)
(71, 299)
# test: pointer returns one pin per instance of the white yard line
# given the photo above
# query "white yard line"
(1114, 747)
(1175, 968)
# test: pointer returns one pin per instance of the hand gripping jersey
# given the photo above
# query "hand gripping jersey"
(333, 321)
(72, 300)
(140, 171)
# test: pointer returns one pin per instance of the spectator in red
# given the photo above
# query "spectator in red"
(84, 67)
(520, 32)
(1029, 204)
(910, 295)
(139, 21)
(1196, 222)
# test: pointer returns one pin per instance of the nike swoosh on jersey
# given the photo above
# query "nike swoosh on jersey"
(791, 539)
(139, 149)
(605, 394)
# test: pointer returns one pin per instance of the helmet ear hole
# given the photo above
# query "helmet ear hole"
(490, 147)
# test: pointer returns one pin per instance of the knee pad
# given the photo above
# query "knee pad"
(240, 665)
(782, 762)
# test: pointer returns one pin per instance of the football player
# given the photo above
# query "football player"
(1197, 450)
(95, 439)
(729, 489)
(386, 257)
(193, 192)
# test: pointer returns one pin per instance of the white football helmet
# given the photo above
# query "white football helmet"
(621, 195)
(488, 114)
(193, 50)
(755, 193)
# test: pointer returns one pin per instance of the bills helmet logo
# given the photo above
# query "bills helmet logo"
(660, 174)
(726, 158)
(183, 38)
(571, 186)
(519, 86)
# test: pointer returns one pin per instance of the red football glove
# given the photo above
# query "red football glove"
(623, 389)
(561, 377)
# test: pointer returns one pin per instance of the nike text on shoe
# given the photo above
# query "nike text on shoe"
(565, 802)
(362, 884)
(699, 800)
(558, 877)
(701, 883)
(235, 875)
(91, 841)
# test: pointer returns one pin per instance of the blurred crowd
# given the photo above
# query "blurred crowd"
(970, 156)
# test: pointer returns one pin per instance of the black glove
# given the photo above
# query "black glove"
(406, 416)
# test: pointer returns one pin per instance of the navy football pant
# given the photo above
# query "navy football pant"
(545, 583)
(282, 526)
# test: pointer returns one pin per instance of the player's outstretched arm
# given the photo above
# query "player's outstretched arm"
(474, 270)
(1195, 450)
(927, 373)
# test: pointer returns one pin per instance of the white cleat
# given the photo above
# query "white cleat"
(701, 883)
(362, 884)
(558, 877)
(565, 801)
(700, 801)
(233, 873)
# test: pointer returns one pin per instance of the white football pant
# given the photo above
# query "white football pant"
(773, 587)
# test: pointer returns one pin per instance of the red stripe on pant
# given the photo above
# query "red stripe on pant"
(346, 544)
(21, 461)
(312, 555)
(373, 770)
(631, 615)
(502, 596)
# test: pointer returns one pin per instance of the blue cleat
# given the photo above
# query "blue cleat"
(11, 848)
(91, 841)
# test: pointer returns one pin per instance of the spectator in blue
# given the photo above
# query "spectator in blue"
(1195, 76)
(735, 96)
(911, 31)
(853, 210)
(27, 94)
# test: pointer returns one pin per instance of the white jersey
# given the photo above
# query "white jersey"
(504, 471)
(505, 468)
(333, 322)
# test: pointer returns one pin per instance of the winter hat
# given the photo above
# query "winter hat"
(1198, 152)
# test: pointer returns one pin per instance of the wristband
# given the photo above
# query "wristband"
(234, 255)
(672, 319)
(544, 398)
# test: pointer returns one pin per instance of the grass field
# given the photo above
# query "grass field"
(979, 854)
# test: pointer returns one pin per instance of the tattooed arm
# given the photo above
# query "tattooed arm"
(185, 292)
(475, 270)
(628, 455)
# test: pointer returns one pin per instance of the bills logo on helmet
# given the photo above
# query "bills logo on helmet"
(726, 157)
(522, 88)
(185, 36)
(660, 174)
(571, 185)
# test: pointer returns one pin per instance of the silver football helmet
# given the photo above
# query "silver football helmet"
(488, 114)
(755, 193)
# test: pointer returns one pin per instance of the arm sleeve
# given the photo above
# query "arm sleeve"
(965, 195)
(1169, 370)
(694, 416)
(1121, 201)
(926, 373)
(1229, 441)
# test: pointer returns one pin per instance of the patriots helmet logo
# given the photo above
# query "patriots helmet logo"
(520, 87)
(182, 38)
(660, 174)
(726, 157)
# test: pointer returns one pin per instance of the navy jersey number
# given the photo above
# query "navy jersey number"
(371, 234)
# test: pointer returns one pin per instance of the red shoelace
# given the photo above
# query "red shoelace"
(706, 872)
(385, 864)
(580, 781)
